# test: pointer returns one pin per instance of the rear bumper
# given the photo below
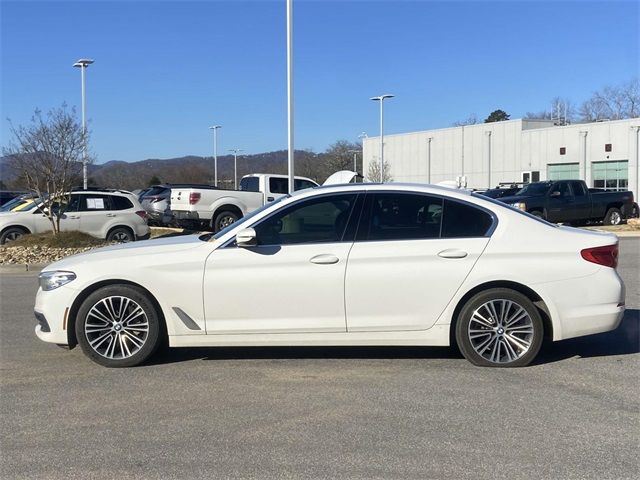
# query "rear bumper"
(585, 306)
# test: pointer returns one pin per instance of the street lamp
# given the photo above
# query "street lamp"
(355, 156)
(215, 152)
(235, 166)
(381, 99)
(82, 64)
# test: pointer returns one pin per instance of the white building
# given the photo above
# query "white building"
(604, 154)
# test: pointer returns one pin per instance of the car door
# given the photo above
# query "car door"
(560, 203)
(292, 281)
(412, 252)
(95, 213)
(582, 201)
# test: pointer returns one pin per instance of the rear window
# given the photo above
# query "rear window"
(120, 203)
(462, 220)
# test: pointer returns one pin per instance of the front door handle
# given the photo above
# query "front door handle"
(324, 259)
(452, 253)
(73, 217)
(111, 214)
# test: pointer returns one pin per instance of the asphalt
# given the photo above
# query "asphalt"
(409, 413)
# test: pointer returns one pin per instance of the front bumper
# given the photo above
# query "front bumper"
(51, 310)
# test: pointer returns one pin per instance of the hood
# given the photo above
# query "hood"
(514, 198)
(133, 250)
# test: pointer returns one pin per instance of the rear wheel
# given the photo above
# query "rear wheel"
(223, 220)
(120, 235)
(118, 326)
(499, 328)
(613, 217)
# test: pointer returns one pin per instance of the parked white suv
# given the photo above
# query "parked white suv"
(215, 208)
(114, 215)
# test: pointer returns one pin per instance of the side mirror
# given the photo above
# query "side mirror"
(555, 194)
(246, 238)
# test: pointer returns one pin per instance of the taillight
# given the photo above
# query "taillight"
(606, 256)
(194, 197)
(142, 214)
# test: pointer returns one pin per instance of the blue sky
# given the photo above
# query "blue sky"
(165, 71)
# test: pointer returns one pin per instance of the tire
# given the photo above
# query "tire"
(11, 234)
(613, 217)
(120, 235)
(113, 339)
(503, 344)
(224, 219)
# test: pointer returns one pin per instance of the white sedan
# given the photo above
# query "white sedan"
(359, 264)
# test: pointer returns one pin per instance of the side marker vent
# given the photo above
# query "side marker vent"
(186, 319)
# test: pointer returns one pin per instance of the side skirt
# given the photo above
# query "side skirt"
(437, 336)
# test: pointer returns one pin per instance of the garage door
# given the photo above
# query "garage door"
(563, 171)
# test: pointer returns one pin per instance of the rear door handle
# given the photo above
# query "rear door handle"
(452, 253)
(73, 217)
(324, 259)
(111, 214)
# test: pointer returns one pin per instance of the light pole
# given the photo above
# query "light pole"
(235, 166)
(215, 152)
(361, 137)
(381, 99)
(355, 161)
(82, 64)
(290, 144)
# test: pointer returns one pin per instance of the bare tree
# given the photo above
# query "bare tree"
(373, 172)
(470, 120)
(613, 103)
(47, 155)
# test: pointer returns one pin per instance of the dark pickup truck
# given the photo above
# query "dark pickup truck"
(570, 201)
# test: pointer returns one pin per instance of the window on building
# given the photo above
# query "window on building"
(607, 147)
(563, 171)
(563, 150)
(610, 175)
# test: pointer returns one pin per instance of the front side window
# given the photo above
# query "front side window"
(318, 220)
(402, 216)
(562, 188)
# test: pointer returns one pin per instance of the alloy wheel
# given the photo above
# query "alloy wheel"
(226, 221)
(121, 237)
(116, 327)
(501, 331)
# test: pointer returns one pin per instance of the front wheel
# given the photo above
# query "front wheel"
(118, 326)
(499, 328)
(11, 234)
(613, 217)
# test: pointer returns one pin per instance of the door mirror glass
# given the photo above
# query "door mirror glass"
(246, 237)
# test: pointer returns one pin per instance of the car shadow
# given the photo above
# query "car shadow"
(622, 341)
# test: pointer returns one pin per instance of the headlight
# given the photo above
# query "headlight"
(52, 280)
(520, 206)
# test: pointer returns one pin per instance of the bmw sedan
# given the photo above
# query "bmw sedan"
(359, 264)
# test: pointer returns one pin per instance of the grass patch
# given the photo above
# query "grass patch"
(61, 240)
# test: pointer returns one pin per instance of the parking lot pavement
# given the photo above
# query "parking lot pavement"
(320, 412)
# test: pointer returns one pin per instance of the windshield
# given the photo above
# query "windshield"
(19, 204)
(211, 236)
(534, 189)
(513, 209)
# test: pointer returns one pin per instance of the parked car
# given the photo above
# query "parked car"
(358, 264)
(114, 215)
(156, 201)
(570, 201)
(212, 208)
(18, 203)
(7, 195)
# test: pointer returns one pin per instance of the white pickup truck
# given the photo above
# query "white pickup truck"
(214, 208)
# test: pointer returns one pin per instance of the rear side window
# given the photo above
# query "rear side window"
(400, 216)
(120, 203)
(94, 202)
(579, 189)
(463, 220)
(278, 185)
(250, 184)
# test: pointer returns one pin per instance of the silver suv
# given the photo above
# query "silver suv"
(114, 215)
